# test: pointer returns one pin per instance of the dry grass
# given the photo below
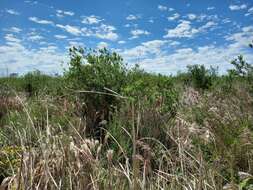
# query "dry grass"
(67, 159)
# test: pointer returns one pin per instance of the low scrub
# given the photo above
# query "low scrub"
(107, 126)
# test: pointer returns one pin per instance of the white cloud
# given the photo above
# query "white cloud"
(76, 44)
(192, 16)
(13, 29)
(39, 21)
(204, 17)
(102, 31)
(153, 56)
(91, 19)
(70, 29)
(31, 2)
(61, 13)
(210, 8)
(226, 20)
(106, 32)
(250, 12)
(136, 33)
(49, 48)
(132, 17)
(143, 50)
(241, 39)
(139, 32)
(151, 20)
(34, 37)
(185, 30)
(11, 38)
(174, 17)
(162, 8)
(69, 13)
(60, 36)
(102, 45)
(12, 12)
(174, 43)
(20, 59)
(121, 42)
(208, 25)
(237, 7)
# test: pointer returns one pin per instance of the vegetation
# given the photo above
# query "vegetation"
(103, 125)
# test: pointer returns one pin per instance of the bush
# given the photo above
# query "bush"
(95, 72)
(242, 69)
(201, 77)
(151, 90)
(35, 83)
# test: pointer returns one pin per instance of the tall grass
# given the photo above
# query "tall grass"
(41, 151)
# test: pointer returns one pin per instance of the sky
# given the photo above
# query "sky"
(162, 36)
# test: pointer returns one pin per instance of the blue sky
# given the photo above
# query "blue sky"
(161, 36)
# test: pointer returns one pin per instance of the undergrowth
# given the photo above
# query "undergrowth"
(104, 126)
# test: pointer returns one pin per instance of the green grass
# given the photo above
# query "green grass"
(148, 132)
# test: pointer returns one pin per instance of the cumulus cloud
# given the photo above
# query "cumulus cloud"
(57, 36)
(103, 31)
(210, 8)
(151, 20)
(106, 32)
(13, 29)
(74, 30)
(162, 8)
(31, 2)
(240, 39)
(154, 57)
(91, 19)
(11, 38)
(133, 17)
(202, 17)
(18, 58)
(138, 32)
(102, 45)
(185, 30)
(143, 50)
(250, 12)
(237, 7)
(208, 25)
(192, 16)
(121, 42)
(174, 17)
(61, 13)
(39, 21)
(34, 37)
(75, 43)
(12, 12)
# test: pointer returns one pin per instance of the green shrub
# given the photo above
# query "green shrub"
(242, 68)
(151, 90)
(35, 83)
(201, 77)
(96, 72)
